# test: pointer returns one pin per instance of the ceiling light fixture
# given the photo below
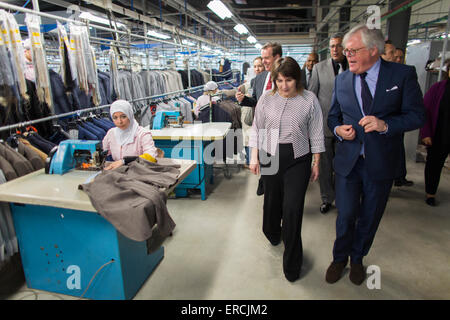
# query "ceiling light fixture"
(187, 42)
(89, 16)
(158, 35)
(258, 46)
(252, 39)
(240, 28)
(220, 9)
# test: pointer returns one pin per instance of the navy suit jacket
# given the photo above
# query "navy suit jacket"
(398, 101)
(258, 90)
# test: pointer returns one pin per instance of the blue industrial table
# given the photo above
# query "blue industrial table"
(67, 247)
(192, 142)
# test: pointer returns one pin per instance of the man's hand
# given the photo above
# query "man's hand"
(346, 132)
(239, 96)
(372, 123)
(427, 141)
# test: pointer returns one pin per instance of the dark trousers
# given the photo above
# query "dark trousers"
(326, 172)
(436, 156)
(284, 197)
(361, 202)
(401, 170)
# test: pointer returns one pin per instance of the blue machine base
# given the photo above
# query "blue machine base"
(63, 249)
(190, 150)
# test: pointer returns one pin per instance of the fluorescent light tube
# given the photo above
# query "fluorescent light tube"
(158, 35)
(251, 39)
(88, 16)
(187, 42)
(220, 9)
(240, 28)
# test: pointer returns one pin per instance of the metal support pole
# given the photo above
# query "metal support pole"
(444, 48)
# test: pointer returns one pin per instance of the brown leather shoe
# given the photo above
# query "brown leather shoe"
(334, 271)
(357, 273)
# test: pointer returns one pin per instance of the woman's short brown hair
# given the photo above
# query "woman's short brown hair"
(287, 67)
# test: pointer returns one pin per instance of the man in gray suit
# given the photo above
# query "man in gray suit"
(270, 52)
(306, 72)
(322, 84)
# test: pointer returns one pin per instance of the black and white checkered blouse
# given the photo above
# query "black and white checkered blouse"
(297, 120)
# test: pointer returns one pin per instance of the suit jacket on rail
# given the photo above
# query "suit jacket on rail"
(398, 101)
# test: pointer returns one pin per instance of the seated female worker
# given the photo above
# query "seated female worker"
(128, 140)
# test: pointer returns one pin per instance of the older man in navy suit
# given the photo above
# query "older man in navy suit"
(374, 102)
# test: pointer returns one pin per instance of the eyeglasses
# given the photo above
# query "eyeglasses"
(352, 52)
(335, 46)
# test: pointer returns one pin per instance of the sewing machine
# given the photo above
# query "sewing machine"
(75, 154)
(165, 119)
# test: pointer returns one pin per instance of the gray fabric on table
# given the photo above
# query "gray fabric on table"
(131, 198)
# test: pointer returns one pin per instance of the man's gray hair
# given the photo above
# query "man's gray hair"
(372, 38)
(337, 35)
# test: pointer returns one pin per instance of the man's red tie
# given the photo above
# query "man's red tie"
(269, 84)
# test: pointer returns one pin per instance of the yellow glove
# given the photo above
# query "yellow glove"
(147, 157)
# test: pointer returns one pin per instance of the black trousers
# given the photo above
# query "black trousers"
(284, 197)
(436, 155)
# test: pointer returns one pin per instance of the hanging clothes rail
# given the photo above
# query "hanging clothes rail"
(111, 42)
(51, 16)
(79, 112)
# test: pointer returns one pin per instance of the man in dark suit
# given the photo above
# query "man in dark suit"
(374, 103)
(322, 84)
(306, 72)
(270, 52)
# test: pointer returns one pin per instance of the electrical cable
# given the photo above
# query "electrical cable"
(93, 277)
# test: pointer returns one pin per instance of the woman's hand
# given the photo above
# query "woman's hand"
(114, 165)
(315, 167)
(315, 172)
(427, 141)
(254, 162)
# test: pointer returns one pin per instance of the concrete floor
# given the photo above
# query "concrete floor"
(218, 250)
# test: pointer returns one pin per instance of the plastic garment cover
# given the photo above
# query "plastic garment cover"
(68, 64)
(6, 72)
(85, 62)
(17, 53)
(39, 62)
(114, 76)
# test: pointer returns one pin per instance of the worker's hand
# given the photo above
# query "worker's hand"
(314, 172)
(346, 132)
(160, 153)
(427, 141)
(114, 165)
(372, 123)
(239, 96)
